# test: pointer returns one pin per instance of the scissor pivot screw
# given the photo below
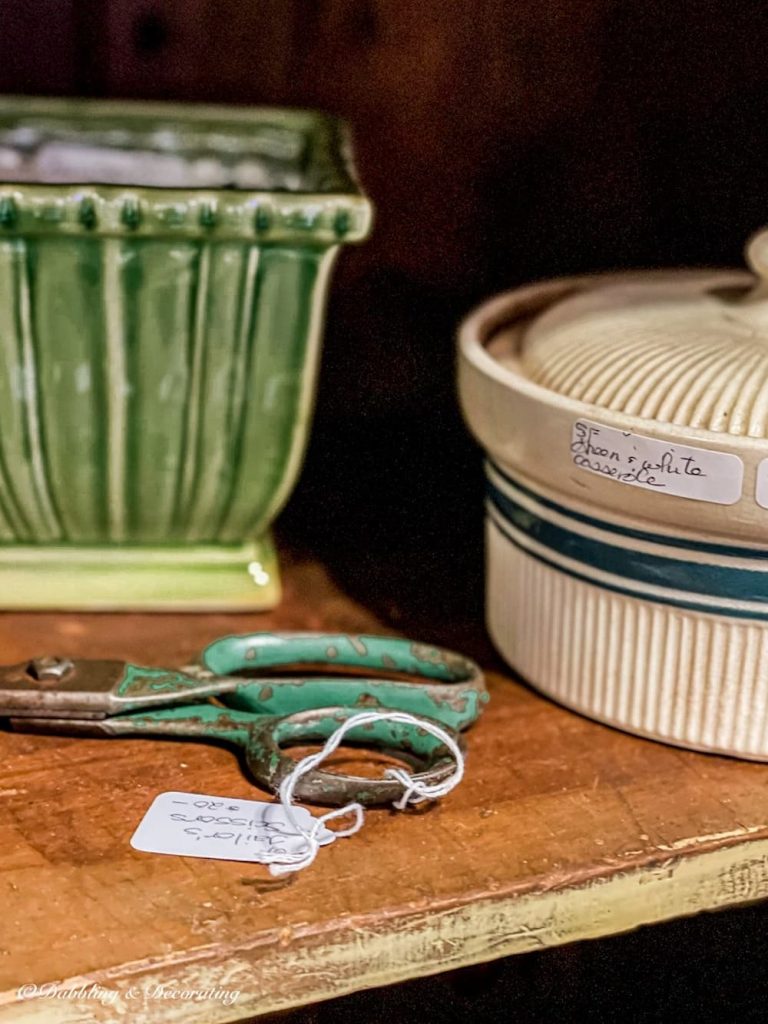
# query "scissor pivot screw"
(53, 669)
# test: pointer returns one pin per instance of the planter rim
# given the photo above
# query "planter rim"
(323, 204)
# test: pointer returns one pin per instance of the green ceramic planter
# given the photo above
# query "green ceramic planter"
(163, 272)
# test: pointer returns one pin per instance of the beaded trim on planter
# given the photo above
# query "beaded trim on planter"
(112, 210)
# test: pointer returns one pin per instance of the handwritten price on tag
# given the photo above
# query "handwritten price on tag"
(257, 831)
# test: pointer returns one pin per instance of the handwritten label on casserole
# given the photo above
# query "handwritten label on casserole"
(676, 469)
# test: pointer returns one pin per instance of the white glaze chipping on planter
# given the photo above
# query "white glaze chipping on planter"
(626, 420)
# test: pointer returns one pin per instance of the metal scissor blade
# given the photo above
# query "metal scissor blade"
(59, 688)
(62, 726)
(85, 689)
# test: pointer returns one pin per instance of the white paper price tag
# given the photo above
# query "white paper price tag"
(222, 828)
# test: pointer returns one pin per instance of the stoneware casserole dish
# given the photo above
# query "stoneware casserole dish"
(625, 418)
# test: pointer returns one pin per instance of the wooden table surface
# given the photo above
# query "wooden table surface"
(562, 830)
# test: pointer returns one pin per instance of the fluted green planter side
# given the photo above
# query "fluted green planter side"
(158, 347)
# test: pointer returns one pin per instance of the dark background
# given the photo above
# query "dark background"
(500, 142)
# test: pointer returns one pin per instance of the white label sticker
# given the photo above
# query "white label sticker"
(761, 486)
(220, 827)
(663, 466)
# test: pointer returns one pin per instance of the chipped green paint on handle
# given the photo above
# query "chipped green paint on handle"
(451, 690)
(159, 342)
(210, 722)
(192, 721)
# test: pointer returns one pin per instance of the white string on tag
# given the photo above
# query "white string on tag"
(414, 790)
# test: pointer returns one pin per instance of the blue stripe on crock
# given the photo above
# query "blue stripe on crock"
(693, 606)
(731, 550)
(716, 581)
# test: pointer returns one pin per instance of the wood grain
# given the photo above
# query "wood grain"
(563, 829)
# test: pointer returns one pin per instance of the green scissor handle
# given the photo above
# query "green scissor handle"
(451, 691)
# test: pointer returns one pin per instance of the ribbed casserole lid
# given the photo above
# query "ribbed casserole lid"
(668, 350)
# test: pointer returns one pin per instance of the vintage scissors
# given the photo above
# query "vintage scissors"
(229, 698)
